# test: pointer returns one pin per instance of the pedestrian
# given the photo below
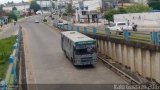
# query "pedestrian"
(134, 27)
(128, 22)
(15, 22)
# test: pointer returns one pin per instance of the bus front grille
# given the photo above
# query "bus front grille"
(86, 58)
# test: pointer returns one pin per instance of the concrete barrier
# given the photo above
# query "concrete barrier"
(11, 75)
(141, 58)
(138, 57)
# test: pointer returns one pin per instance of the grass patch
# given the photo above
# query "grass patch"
(5, 51)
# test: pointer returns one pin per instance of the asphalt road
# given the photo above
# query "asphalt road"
(48, 68)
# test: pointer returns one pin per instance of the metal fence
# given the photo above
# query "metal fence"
(11, 79)
(139, 36)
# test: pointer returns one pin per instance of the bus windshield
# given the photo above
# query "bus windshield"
(86, 50)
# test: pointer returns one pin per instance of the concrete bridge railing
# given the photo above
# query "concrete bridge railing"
(140, 58)
(11, 79)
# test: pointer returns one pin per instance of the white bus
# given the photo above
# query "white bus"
(80, 49)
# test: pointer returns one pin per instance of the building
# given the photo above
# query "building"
(3, 20)
(144, 2)
(74, 2)
(145, 19)
(22, 6)
(88, 11)
(44, 4)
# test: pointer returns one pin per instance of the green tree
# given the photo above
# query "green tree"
(122, 10)
(155, 4)
(1, 7)
(53, 5)
(70, 9)
(34, 6)
(138, 8)
(110, 13)
(14, 8)
(13, 16)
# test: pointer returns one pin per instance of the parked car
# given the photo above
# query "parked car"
(62, 23)
(119, 26)
(39, 12)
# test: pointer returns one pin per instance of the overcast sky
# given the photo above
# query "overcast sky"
(5, 1)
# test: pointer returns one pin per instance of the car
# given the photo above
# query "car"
(36, 21)
(62, 23)
(39, 12)
(119, 26)
(54, 13)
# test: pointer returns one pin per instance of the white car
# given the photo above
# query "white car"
(36, 21)
(39, 12)
(62, 23)
(119, 26)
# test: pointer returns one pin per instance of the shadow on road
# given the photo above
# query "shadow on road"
(85, 67)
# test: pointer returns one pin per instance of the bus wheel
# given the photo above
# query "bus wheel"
(73, 61)
(66, 55)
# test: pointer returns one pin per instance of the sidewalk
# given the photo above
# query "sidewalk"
(8, 30)
(5, 26)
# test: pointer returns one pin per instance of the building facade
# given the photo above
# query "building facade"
(141, 19)
(22, 6)
(88, 11)
(144, 2)
(3, 20)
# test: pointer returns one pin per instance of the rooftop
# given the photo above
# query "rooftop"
(76, 36)
(16, 4)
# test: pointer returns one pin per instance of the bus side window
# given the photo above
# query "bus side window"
(68, 41)
(62, 38)
(70, 44)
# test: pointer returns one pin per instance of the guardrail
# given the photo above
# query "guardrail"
(145, 37)
(11, 79)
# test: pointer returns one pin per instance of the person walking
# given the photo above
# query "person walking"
(134, 27)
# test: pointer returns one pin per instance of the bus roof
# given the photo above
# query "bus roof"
(76, 36)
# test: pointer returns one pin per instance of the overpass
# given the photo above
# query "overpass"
(121, 60)
(136, 53)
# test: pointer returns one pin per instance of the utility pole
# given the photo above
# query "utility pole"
(51, 6)
(24, 6)
(60, 7)
(71, 2)
(41, 6)
(122, 2)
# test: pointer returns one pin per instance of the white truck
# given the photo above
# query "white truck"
(119, 26)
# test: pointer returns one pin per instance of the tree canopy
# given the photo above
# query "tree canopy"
(34, 6)
(155, 4)
(53, 5)
(136, 8)
(69, 9)
(13, 16)
(1, 7)
(109, 14)
(14, 8)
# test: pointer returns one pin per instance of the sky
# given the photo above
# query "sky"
(5, 1)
